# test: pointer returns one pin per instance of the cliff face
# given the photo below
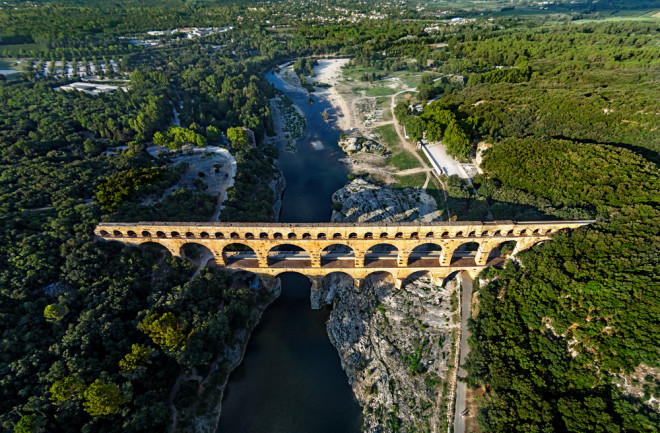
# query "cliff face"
(363, 201)
(277, 185)
(396, 347)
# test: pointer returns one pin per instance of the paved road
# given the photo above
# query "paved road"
(466, 304)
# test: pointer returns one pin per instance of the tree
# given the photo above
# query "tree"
(402, 111)
(457, 141)
(213, 134)
(30, 424)
(166, 330)
(176, 136)
(137, 357)
(55, 312)
(415, 128)
(102, 398)
(238, 138)
(66, 389)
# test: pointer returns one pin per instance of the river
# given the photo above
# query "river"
(290, 380)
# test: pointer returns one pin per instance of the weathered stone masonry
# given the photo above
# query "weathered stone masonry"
(313, 238)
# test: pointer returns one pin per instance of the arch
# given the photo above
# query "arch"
(117, 233)
(338, 256)
(459, 234)
(219, 235)
(204, 235)
(465, 254)
(509, 233)
(338, 279)
(234, 235)
(263, 235)
(414, 235)
(277, 235)
(539, 242)
(336, 236)
(398, 235)
(160, 234)
(190, 235)
(536, 232)
(472, 234)
(383, 235)
(131, 234)
(289, 256)
(239, 255)
(249, 235)
(523, 232)
(484, 233)
(444, 235)
(197, 253)
(321, 236)
(368, 235)
(155, 248)
(299, 287)
(378, 276)
(425, 255)
(292, 236)
(450, 277)
(382, 255)
(430, 235)
(420, 275)
(352, 235)
(497, 233)
(500, 251)
(175, 235)
(548, 232)
(103, 233)
(146, 234)
(306, 236)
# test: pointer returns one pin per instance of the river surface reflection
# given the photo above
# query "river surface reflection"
(291, 380)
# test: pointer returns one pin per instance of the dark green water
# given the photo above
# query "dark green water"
(291, 379)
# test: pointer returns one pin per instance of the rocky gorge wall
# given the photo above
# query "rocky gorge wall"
(396, 347)
(363, 201)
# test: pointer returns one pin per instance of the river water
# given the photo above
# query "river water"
(291, 380)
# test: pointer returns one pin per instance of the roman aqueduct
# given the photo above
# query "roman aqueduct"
(318, 249)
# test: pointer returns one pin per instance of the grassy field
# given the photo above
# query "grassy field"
(400, 158)
(380, 91)
(412, 181)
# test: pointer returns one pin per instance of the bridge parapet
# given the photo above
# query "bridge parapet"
(391, 232)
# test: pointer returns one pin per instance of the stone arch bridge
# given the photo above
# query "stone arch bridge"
(357, 249)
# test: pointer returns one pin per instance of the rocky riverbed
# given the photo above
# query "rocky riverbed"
(363, 201)
(397, 348)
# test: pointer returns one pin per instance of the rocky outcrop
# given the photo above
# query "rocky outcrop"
(278, 184)
(363, 201)
(396, 347)
(352, 145)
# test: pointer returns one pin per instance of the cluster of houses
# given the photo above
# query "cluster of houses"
(189, 32)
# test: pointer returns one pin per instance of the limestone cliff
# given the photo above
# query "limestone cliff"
(278, 184)
(363, 201)
(396, 346)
